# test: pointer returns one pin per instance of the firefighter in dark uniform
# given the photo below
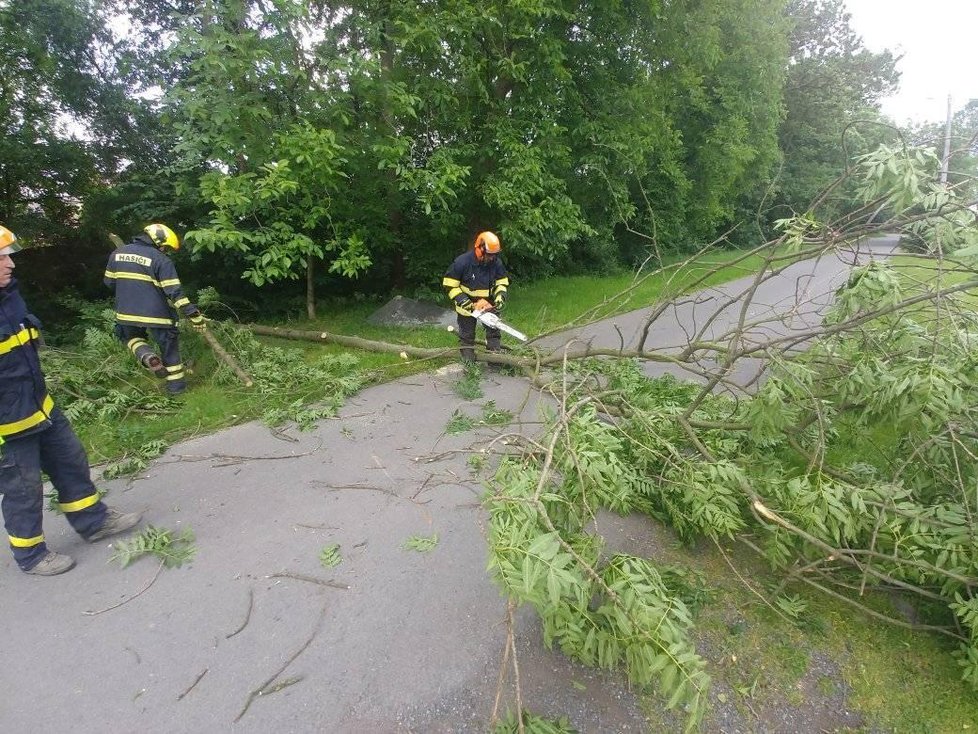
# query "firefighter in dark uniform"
(477, 280)
(35, 436)
(147, 296)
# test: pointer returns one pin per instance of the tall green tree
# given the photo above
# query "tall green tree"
(51, 88)
(559, 124)
(832, 94)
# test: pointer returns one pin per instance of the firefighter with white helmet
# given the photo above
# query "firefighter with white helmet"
(36, 436)
(147, 296)
(477, 280)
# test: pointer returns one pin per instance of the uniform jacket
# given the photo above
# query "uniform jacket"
(25, 406)
(469, 280)
(147, 288)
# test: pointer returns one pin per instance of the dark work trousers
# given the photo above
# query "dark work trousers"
(466, 337)
(168, 339)
(57, 451)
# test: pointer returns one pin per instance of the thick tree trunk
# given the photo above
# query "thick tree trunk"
(350, 341)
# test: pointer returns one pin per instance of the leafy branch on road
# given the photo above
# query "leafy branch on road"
(832, 434)
(846, 458)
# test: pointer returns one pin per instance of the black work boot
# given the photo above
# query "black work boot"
(115, 522)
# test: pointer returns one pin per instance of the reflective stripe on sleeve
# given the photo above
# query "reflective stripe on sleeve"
(8, 429)
(19, 339)
(132, 318)
(134, 276)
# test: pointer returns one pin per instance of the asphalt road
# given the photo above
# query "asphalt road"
(391, 640)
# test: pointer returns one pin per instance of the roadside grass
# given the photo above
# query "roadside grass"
(773, 670)
(920, 274)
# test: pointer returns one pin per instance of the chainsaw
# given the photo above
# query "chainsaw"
(492, 321)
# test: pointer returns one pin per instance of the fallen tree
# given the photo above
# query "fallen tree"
(844, 456)
(832, 435)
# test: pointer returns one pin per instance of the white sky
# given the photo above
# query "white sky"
(939, 43)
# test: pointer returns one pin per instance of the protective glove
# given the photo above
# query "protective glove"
(500, 302)
(482, 305)
(198, 322)
(463, 302)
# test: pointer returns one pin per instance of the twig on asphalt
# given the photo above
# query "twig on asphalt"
(264, 689)
(231, 459)
(337, 487)
(315, 527)
(310, 579)
(251, 605)
(193, 685)
(91, 613)
(431, 458)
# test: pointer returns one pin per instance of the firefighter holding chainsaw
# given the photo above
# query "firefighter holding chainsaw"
(477, 282)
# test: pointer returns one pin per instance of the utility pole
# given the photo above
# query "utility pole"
(947, 144)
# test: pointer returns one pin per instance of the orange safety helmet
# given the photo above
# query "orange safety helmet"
(162, 236)
(487, 246)
(8, 242)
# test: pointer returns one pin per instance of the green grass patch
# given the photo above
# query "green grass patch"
(898, 680)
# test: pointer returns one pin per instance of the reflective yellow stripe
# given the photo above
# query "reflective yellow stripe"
(142, 319)
(450, 282)
(181, 302)
(171, 281)
(481, 293)
(78, 504)
(134, 344)
(174, 377)
(501, 289)
(137, 276)
(454, 292)
(26, 542)
(19, 339)
(175, 368)
(8, 429)
(502, 281)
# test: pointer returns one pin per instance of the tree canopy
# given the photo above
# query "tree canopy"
(363, 143)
